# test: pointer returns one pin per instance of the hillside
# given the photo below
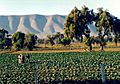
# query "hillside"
(41, 25)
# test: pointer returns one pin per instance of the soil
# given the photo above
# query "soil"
(51, 51)
(74, 47)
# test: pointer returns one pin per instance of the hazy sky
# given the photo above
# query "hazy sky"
(50, 7)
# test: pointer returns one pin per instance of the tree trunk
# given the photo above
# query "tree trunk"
(115, 41)
(102, 47)
(90, 47)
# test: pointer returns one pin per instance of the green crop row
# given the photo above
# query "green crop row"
(59, 67)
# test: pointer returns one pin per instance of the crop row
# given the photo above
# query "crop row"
(50, 67)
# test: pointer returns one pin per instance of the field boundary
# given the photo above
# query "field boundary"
(54, 51)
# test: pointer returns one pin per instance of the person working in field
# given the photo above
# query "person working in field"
(21, 59)
(28, 56)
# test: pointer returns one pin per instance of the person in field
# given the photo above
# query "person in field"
(20, 58)
(23, 59)
(27, 56)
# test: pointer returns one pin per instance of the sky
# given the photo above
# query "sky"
(52, 7)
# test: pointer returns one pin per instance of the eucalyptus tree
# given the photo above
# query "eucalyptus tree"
(104, 24)
(116, 29)
(76, 24)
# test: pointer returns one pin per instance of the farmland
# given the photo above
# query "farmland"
(62, 66)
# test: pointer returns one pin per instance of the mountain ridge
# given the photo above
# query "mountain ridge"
(41, 25)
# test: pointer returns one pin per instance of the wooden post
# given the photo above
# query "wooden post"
(102, 73)
(35, 76)
(35, 73)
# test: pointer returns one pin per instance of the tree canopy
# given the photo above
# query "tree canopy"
(5, 41)
(76, 25)
(21, 41)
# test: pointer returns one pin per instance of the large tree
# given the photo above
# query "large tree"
(76, 24)
(116, 29)
(18, 40)
(30, 41)
(71, 25)
(5, 41)
(104, 23)
(21, 41)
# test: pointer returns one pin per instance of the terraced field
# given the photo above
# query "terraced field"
(59, 67)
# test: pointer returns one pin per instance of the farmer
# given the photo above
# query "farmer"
(23, 59)
(28, 56)
(20, 58)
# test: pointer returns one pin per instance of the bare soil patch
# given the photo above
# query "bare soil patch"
(74, 47)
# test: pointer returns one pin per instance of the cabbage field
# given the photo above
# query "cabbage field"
(59, 67)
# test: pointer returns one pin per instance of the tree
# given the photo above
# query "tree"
(116, 29)
(2, 43)
(8, 43)
(89, 41)
(76, 24)
(50, 40)
(65, 41)
(30, 41)
(104, 23)
(3, 33)
(57, 37)
(18, 40)
(5, 42)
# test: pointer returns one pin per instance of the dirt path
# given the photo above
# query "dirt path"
(42, 51)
